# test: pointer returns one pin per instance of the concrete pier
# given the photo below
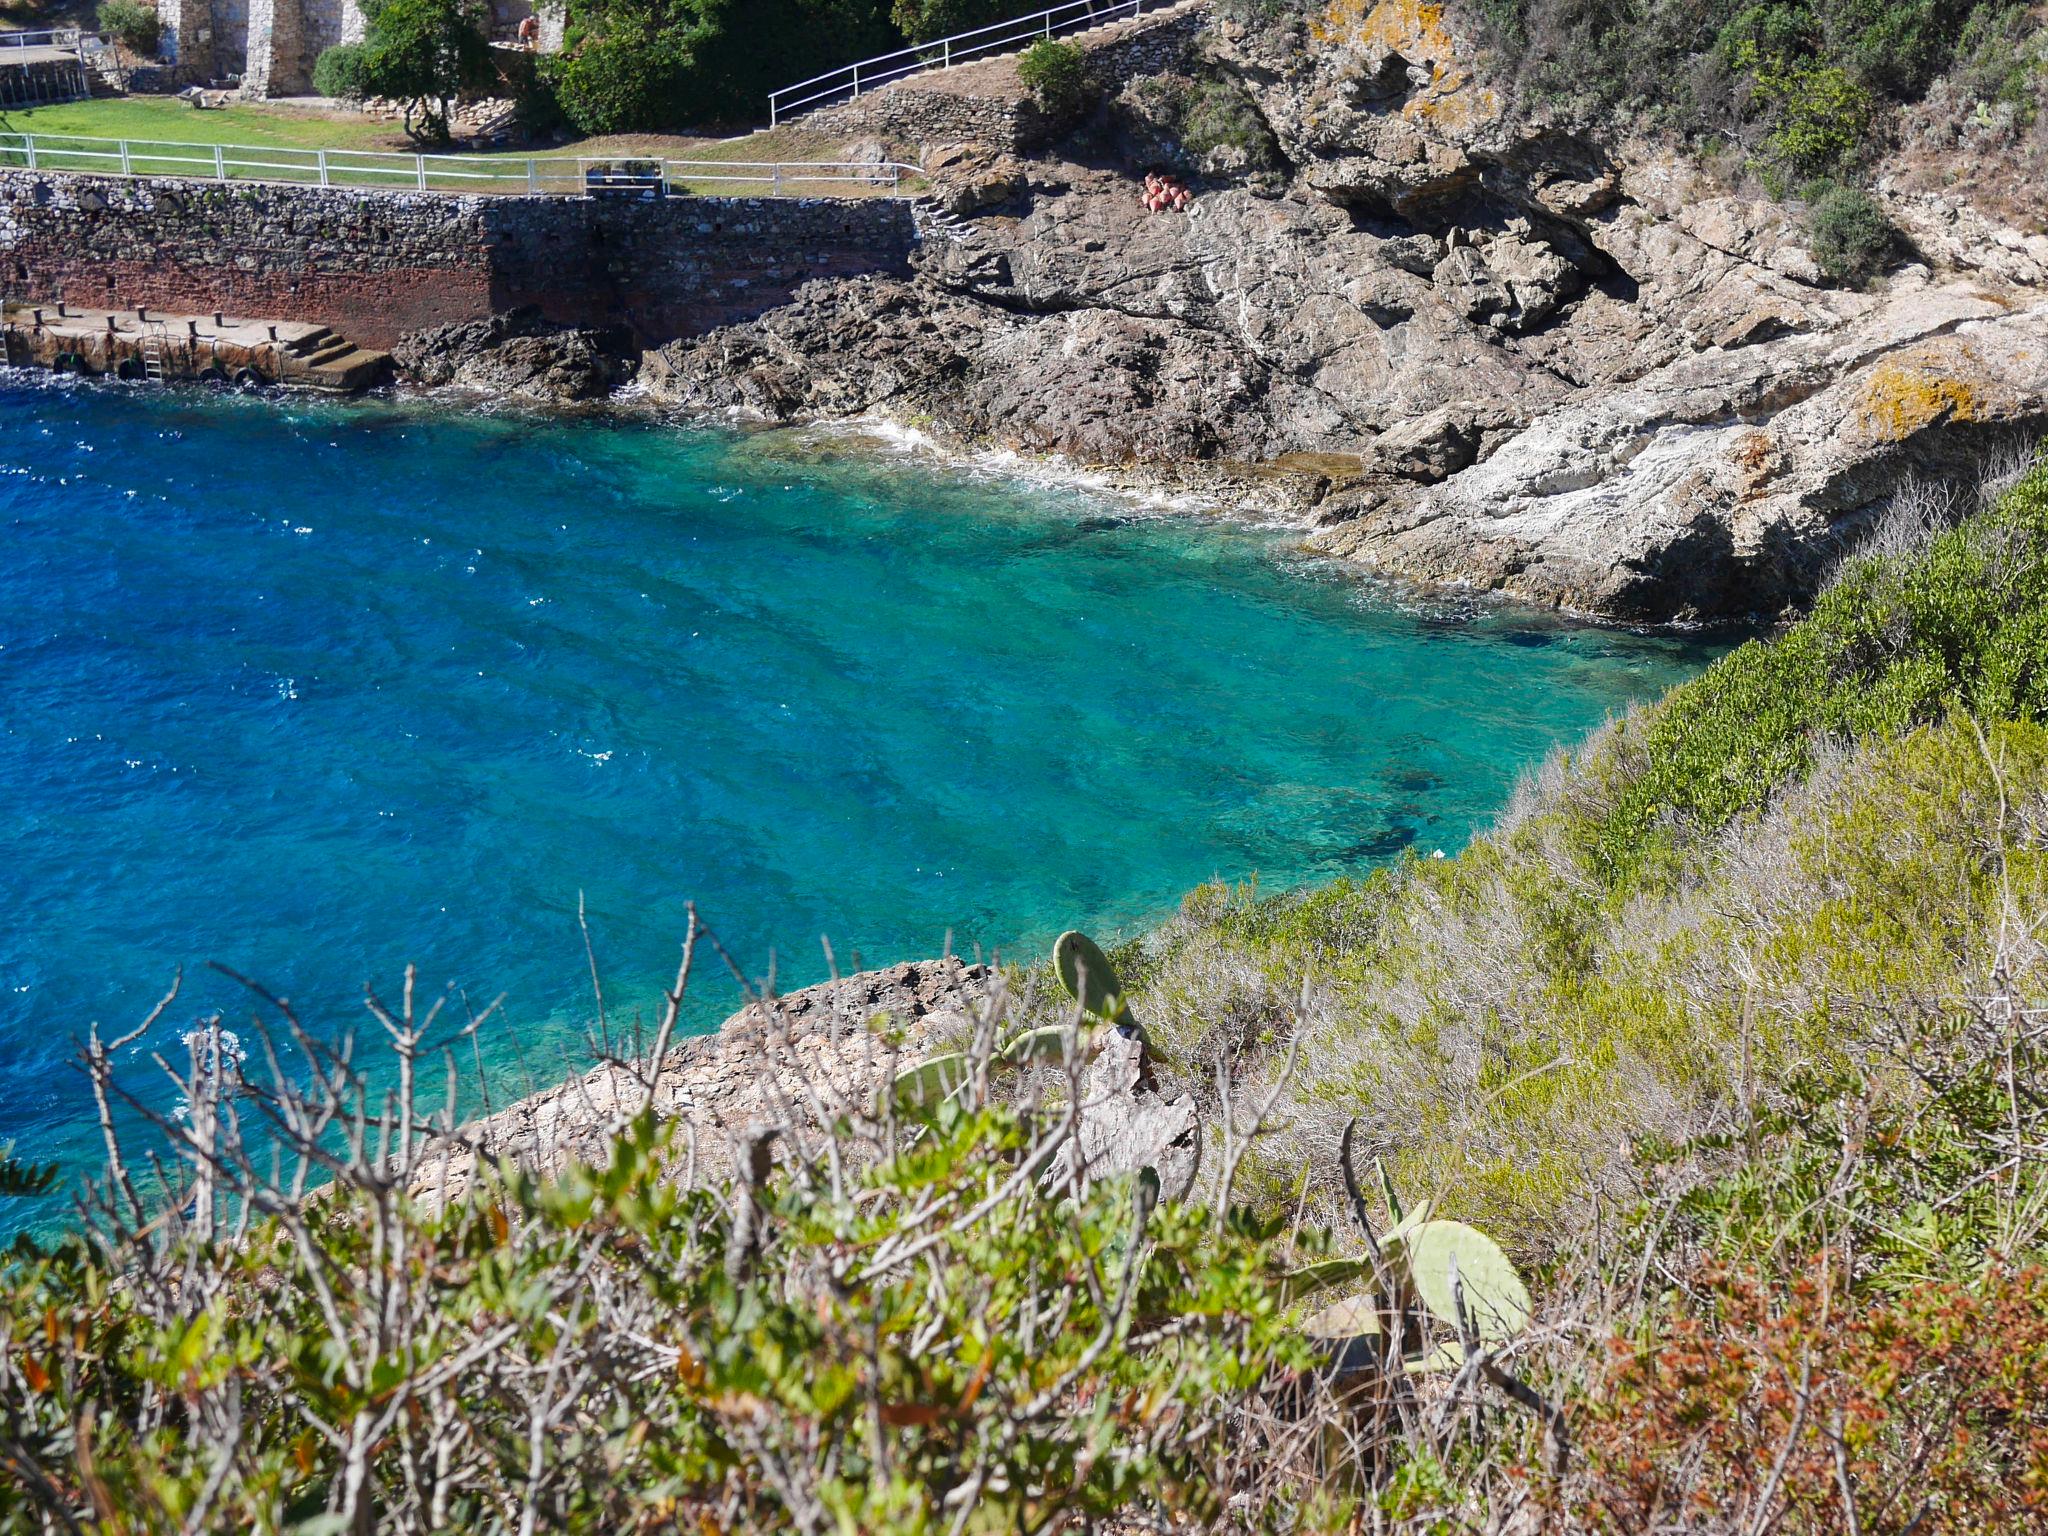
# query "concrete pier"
(147, 345)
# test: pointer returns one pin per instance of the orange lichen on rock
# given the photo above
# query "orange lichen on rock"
(1413, 29)
(1902, 399)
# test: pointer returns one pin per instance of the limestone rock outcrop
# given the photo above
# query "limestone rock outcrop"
(519, 353)
(1585, 374)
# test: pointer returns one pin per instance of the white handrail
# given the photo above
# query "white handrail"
(58, 37)
(533, 176)
(850, 80)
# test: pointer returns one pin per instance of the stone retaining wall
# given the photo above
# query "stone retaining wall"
(375, 265)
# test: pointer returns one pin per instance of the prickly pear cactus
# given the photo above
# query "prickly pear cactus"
(929, 1082)
(1084, 970)
(1044, 1046)
(1442, 1256)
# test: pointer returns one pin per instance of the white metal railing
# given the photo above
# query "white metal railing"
(69, 38)
(540, 176)
(944, 52)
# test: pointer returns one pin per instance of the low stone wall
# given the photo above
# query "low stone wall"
(928, 111)
(376, 265)
(985, 103)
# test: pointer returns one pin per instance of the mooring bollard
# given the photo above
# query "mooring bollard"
(192, 329)
(273, 331)
(217, 321)
(61, 310)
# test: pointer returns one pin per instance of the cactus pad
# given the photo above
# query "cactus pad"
(929, 1082)
(1495, 1298)
(1084, 970)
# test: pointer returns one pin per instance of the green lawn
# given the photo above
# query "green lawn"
(167, 118)
(297, 133)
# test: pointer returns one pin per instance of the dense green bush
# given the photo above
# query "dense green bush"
(343, 72)
(909, 1323)
(1056, 75)
(133, 25)
(666, 65)
(628, 70)
(1852, 237)
(1206, 122)
(1887, 648)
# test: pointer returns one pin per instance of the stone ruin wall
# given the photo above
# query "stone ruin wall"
(375, 265)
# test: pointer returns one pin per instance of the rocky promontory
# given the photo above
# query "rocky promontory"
(1459, 344)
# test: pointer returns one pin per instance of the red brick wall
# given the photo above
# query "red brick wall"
(377, 265)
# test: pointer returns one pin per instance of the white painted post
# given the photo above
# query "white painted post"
(323, 167)
(30, 140)
(778, 178)
(124, 157)
(422, 166)
(856, 79)
(220, 163)
(946, 50)
(532, 179)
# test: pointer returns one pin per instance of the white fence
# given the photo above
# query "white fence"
(944, 52)
(65, 39)
(543, 176)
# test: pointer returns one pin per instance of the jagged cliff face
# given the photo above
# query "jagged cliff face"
(1466, 347)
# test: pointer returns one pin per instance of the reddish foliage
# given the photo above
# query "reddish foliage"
(1809, 1408)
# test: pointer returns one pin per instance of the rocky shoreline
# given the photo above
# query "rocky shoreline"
(1452, 345)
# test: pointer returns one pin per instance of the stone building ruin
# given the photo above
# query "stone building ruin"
(270, 45)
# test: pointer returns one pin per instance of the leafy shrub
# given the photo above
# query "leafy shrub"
(1884, 650)
(343, 72)
(1852, 237)
(1056, 75)
(880, 1318)
(629, 72)
(133, 25)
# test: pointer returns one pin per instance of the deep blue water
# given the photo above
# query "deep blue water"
(319, 689)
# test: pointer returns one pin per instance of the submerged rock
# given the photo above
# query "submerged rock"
(519, 353)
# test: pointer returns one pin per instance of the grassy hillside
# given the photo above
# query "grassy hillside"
(1731, 1033)
(1712, 893)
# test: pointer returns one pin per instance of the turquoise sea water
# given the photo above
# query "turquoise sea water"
(317, 689)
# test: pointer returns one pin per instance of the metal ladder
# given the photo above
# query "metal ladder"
(154, 359)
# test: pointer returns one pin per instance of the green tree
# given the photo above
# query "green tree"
(654, 65)
(923, 20)
(424, 54)
(626, 67)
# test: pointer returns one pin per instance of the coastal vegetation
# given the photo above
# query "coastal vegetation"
(1804, 96)
(1731, 1030)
